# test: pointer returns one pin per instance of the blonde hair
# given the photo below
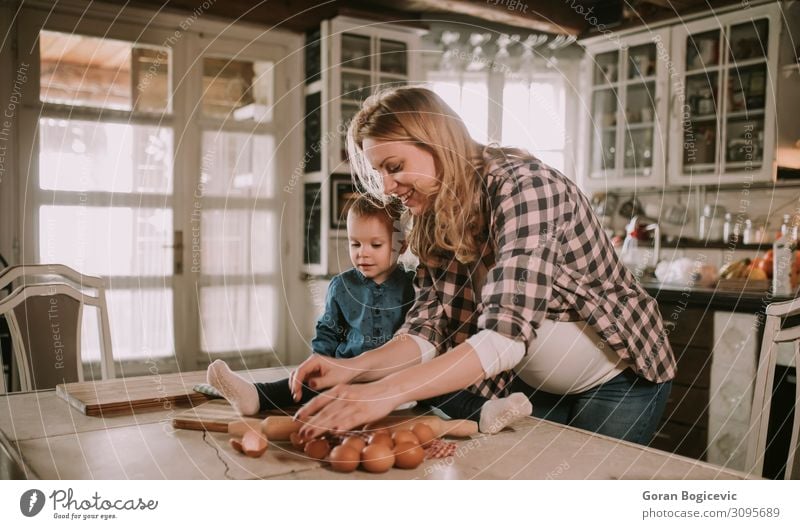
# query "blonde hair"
(456, 224)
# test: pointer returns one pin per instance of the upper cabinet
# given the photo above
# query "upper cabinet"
(365, 58)
(710, 101)
(624, 130)
(723, 115)
(346, 61)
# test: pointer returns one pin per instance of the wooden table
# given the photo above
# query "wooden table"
(43, 437)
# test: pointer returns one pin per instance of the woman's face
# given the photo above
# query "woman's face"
(408, 172)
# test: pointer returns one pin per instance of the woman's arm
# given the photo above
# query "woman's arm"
(320, 372)
(345, 407)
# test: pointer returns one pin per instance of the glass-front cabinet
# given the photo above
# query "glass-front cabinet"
(625, 129)
(347, 60)
(369, 59)
(723, 106)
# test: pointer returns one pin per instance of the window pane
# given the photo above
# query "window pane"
(554, 159)
(238, 242)
(236, 318)
(238, 165)
(107, 241)
(475, 109)
(103, 73)
(470, 100)
(516, 113)
(141, 323)
(241, 90)
(533, 115)
(95, 156)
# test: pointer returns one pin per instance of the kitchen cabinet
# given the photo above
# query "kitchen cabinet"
(722, 96)
(684, 425)
(724, 106)
(716, 338)
(346, 60)
(625, 129)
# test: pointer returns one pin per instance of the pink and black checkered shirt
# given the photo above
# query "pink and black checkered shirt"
(547, 257)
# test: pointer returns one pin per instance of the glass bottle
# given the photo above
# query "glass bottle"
(747, 232)
(728, 229)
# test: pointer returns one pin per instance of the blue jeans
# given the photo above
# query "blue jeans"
(627, 407)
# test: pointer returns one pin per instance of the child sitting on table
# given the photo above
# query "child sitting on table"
(364, 307)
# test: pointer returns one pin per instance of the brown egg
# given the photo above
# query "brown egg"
(296, 440)
(377, 458)
(382, 437)
(317, 448)
(355, 442)
(236, 443)
(254, 444)
(408, 455)
(424, 433)
(344, 458)
(404, 436)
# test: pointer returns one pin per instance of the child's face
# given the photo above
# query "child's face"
(371, 247)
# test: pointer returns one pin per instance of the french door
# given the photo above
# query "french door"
(154, 163)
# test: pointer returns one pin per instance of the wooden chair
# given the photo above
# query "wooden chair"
(775, 332)
(45, 323)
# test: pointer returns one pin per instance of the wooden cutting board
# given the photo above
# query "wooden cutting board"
(214, 416)
(123, 396)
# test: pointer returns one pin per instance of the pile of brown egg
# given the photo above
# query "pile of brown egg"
(382, 451)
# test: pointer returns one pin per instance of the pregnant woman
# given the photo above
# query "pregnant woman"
(518, 287)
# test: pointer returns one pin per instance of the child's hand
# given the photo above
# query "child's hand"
(321, 372)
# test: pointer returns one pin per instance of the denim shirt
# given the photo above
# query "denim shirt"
(360, 314)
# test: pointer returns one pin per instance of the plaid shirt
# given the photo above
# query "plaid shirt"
(547, 257)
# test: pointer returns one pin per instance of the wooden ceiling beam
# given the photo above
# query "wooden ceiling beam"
(547, 16)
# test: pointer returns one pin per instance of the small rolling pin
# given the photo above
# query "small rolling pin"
(279, 428)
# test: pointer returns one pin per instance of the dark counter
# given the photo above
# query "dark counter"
(713, 298)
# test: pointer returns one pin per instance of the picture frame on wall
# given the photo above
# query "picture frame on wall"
(343, 192)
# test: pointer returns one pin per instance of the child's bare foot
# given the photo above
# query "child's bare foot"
(496, 414)
(239, 392)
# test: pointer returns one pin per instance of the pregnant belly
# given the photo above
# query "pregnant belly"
(568, 358)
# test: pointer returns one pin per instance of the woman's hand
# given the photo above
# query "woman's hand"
(345, 407)
(320, 372)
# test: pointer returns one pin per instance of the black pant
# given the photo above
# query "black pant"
(458, 405)
(278, 395)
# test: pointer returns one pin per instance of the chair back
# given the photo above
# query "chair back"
(778, 329)
(45, 319)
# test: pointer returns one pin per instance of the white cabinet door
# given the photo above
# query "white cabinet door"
(625, 111)
(723, 105)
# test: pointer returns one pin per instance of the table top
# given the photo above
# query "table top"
(43, 437)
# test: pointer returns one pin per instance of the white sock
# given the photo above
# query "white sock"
(496, 414)
(239, 392)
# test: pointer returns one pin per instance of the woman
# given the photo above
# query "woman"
(516, 275)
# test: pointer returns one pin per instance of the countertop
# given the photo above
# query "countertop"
(43, 437)
(712, 297)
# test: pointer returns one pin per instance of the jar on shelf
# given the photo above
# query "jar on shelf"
(748, 234)
(711, 223)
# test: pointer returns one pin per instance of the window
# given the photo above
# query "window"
(533, 112)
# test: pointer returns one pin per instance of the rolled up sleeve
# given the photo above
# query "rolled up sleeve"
(426, 318)
(528, 228)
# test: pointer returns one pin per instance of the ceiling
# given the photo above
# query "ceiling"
(571, 17)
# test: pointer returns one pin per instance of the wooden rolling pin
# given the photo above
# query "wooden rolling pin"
(279, 428)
